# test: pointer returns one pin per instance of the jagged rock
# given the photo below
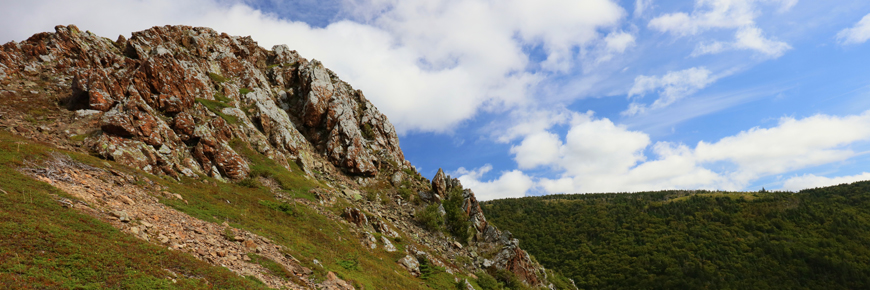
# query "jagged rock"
(148, 85)
(384, 229)
(355, 216)
(439, 184)
(181, 100)
(388, 246)
(369, 240)
(411, 264)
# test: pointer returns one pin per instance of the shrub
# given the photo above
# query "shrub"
(367, 131)
(249, 183)
(456, 219)
(486, 281)
(430, 218)
(406, 193)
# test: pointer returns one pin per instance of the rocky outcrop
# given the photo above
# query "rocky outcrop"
(509, 255)
(173, 98)
(188, 102)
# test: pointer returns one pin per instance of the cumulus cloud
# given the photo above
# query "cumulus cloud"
(428, 65)
(510, 184)
(739, 15)
(671, 87)
(597, 156)
(812, 181)
(857, 34)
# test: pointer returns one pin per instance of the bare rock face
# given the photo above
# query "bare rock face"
(175, 97)
(185, 101)
(439, 183)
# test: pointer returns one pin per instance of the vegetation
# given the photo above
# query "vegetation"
(217, 107)
(813, 239)
(44, 245)
(217, 78)
(456, 220)
(430, 217)
(367, 131)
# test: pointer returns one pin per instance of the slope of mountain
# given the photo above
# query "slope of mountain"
(812, 239)
(207, 152)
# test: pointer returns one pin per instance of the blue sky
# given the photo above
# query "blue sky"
(520, 97)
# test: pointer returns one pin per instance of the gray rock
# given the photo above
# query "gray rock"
(410, 263)
(396, 179)
(388, 246)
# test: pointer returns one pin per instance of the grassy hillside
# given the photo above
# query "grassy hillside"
(813, 239)
(45, 245)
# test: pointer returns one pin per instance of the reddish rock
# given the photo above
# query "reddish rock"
(355, 216)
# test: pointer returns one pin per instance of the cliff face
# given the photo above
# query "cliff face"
(171, 97)
(170, 101)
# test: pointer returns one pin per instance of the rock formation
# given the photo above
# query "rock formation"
(178, 101)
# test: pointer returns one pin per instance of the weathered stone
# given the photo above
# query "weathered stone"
(396, 179)
(411, 264)
(388, 246)
(439, 183)
(332, 282)
(355, 216)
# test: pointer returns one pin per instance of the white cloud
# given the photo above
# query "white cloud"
(739, 15)
(641, 6)
(598, 156)
(812, 181)
(746, 38)
(619, 41)
(537, 149)
(792, 144)
(428, 65)
(510, 184)
(671, 87)
(857, 34)
(529, 121)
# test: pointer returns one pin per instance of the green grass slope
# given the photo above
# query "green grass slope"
(46, 246)
(813, 239)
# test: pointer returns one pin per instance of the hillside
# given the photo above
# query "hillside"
(183, 158)
(812, 239)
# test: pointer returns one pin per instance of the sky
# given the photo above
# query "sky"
(533, 97)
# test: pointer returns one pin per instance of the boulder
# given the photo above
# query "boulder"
(355, 216)
(411, 264)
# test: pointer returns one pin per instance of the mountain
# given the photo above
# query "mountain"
(184, 158)
(812, 239)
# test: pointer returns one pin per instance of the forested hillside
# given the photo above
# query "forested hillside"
(813, 239)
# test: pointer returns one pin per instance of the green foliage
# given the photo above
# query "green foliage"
(349, 262)
(244, 91)
(813, 239)
(223, 99)
(46, 246)
(228, 234)
(430, 218)
(428, 270)
(406, 193)
(487, 282)
(217, 78)
(456, 219)
(278, 206)
(216, 107)
(249, 183)
(367, 131)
